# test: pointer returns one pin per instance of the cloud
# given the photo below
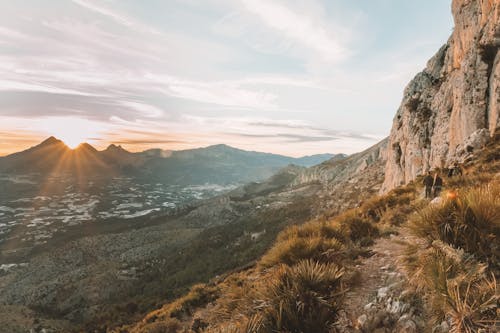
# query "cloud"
(201, 70)
(11, 85)
(147, 142)
(287, 137)
(118, 17)
(294, 26)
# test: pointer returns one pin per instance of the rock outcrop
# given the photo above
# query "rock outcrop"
(451, 108)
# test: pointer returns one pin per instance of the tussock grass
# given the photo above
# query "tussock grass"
(293, 250)
(457, 286)
(458, 265)
(471, 221)
(199, 295)
(305, 297)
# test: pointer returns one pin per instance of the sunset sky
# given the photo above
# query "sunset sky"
(289, 77)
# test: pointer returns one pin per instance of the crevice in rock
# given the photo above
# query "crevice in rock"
(488, 54)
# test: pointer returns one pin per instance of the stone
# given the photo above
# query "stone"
(368, 306)
(444, 327)
(362, 320)
(452, 106)
(406, 326)
(395, 307)
(383, 292)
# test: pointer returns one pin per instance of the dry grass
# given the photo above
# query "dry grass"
(168, 318)
(305, 297)
(456, 286)
(471, 221)
(167, 326)
(458, 264)
(298, 285)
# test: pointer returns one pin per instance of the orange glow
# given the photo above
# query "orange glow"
(72, 131)
(451, 195)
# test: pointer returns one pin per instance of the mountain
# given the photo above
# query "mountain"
(218, 164)
(316, 159)
(96, 276)
(85, 274)
(221, 164)
(452, 107)
(52, 156)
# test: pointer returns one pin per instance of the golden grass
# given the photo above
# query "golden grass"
(458, 265)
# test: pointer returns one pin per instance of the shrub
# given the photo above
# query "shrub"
(302, 298)
(292, 250)
(471, 222)
(375, 208)
(312, 229)
(457, 286)
(198, 296)
(355, 227)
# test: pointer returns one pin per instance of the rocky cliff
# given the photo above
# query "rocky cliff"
(451, 107)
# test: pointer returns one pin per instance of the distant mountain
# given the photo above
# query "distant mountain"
(311, 160)
(218, 164)
(53, 156)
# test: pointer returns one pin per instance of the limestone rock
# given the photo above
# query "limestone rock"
(454, 101)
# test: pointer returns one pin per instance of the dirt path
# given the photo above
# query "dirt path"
(374, 272)
(379, 303)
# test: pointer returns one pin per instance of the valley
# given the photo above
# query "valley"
(401, 235)
(33, 210)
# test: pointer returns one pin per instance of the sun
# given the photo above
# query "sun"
(71, 130)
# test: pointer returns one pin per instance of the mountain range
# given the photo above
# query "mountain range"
(102, 274)
(218, 164)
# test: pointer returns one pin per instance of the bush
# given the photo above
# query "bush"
(302, 298)
(471, 222)
(456, 267)
(457, 286)
(198, 296)
(292, 250)
(376, 207)
(356, 228)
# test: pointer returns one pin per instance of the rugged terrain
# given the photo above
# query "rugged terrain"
(334, 274)
(452, 107)
(143, 260)
(218, 164)
(110, 276)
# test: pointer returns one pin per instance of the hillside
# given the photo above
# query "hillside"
(382, 267)
(349, 245)
(145, 260)
(395, 262)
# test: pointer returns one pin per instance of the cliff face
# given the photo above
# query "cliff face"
(452, 106)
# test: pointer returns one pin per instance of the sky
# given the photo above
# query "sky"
(282, 76)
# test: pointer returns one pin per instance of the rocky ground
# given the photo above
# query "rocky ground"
(383, 302)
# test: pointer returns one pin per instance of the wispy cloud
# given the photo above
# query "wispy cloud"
(309, 31)
(118, 17)
(276, 75)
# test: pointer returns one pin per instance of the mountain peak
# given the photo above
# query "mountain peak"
(50, 141)
(85, 147)
(113, 147)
